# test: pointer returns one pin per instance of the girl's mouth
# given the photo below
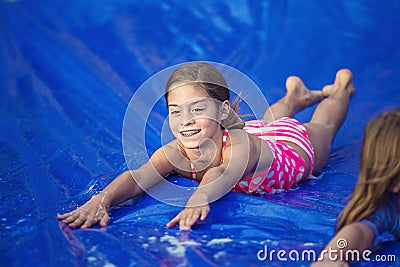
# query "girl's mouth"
(189, 133)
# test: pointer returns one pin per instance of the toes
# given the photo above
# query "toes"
(327, 90)
(344, 73)
(344, 80)
(293, 82)
(343, 77)
(315, 96)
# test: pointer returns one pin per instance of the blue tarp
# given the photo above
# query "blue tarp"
(69, 69)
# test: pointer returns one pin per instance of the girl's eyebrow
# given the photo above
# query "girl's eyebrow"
(193, 103)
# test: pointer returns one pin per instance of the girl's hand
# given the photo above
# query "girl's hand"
(95, 211)
(189, 216)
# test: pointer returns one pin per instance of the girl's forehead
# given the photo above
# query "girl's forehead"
(198, 101)
(185, 93)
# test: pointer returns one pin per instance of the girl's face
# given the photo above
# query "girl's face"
(194, 116)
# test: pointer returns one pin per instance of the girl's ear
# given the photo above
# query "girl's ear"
(395, 186)
(224, 110)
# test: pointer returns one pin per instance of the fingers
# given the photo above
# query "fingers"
(195, 216)
(70, 217)
(189, 219)
(63, 216)
(204, 213)
(105, 220)
(186, 220)
(181, 219)
(189, 216)
(86, 217)
(89, 221)
(81, 220)
(174, 221)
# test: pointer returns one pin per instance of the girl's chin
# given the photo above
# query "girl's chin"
(189, 144)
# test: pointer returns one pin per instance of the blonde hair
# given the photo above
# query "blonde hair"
(379, 167)
(209, 78)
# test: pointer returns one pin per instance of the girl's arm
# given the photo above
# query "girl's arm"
(239, 158)
(124, 187)
(354, 236)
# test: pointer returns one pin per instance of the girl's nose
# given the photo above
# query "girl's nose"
(187, 118)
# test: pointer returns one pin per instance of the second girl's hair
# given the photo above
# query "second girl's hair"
(209, 78)
(379, 167)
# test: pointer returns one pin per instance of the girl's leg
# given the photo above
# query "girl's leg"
(329, 116)
(297, 98)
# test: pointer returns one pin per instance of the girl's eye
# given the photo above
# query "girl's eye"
(197, 110)
(174, 112)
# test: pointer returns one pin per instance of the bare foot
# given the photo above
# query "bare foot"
(327, 90)
(298, 96)
(343, 83)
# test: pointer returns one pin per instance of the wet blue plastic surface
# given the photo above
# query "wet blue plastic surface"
(69, 69)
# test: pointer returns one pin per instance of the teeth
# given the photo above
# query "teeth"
(190, 133)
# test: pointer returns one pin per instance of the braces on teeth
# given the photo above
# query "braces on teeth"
(190, 133)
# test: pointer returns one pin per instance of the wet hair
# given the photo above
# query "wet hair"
(379, 167)
(205, 76)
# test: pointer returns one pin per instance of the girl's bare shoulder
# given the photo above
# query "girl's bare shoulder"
(248, 142)
(173, 146)
(239, 136)
(171, 155)
(167, 152)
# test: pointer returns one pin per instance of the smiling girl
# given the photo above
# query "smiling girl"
(215, 147)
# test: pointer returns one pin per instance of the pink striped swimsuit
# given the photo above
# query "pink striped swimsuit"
(288, 167)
